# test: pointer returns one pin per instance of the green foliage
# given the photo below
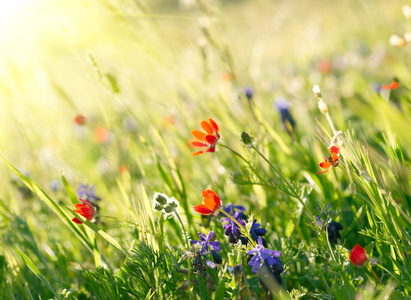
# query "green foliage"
(144, 74)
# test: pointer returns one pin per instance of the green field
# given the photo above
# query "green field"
(106, 93)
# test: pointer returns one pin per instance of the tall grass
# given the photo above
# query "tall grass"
(144, 75)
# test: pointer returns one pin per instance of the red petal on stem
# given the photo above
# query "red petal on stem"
(207, 127)
(211, 139)
(334, 149)
(325, 165)
(86, 210)
(358, 255)
(202, 209)
(198, 144)
(75, 220)
(335, 157)
(198, 153)
(199, 135)
(214, 124)
(323, 171)
(211, 201)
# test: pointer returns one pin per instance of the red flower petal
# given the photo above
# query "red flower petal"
(325, 165)
(202, 209)
(334, 149)
(198, 153)
(198, 144)
(358, 255)
(86, 211)
(334, 157)
(211, 139)
(199, 135)
(207, 127)
(78, 206)
(214, 124)
(75, 220)
(323, 171)
(211, 202)
(391, 86)
(88, 203)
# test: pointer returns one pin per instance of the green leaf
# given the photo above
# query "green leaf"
(70, 191)
(35, 270)
(99, 231)
(33, 186)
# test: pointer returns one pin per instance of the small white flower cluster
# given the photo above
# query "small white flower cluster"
(165, 204)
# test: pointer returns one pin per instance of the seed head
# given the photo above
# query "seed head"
(247, 139)
(317, 91)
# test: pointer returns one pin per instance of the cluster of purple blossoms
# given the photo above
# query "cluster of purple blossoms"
(333, 228)
(208, 246)
(231, 228)
(87, 193)
(262, 255)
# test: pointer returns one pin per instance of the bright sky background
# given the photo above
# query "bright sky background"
(9, 10)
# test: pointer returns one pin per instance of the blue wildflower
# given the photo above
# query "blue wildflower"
(231, 228)
(248, 91)
(54, 185)
(256, 231)
(231, 209)
(263, 255)
(87, 193)
(208, 246)
(333, 228)
(286, 118)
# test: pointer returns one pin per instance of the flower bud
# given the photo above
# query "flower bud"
(322, 106)
(247, 139)
(160, 198)
(158, 207)
(317, 91)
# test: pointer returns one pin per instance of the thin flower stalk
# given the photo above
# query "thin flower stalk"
(286, 210)
(295, 194)
(240, 226)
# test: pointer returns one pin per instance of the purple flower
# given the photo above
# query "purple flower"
(286, 118)
(87, 193)
(231, 227)
(256, 231)
(206, 246)
(372, 261)
(231, 209)
(248, 91)
(262, 255)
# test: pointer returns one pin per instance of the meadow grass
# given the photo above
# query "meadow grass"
(144, 75)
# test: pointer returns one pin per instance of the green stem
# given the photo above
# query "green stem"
(295, 194)
(327, 241)
(262, 181)
(176, 213)
(239, 225)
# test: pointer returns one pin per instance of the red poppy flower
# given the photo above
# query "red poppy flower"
(358, 256)
(80, 120)
(87, 210)
(206, 139)
(330, 161)
(211, 204)
(393, 85)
